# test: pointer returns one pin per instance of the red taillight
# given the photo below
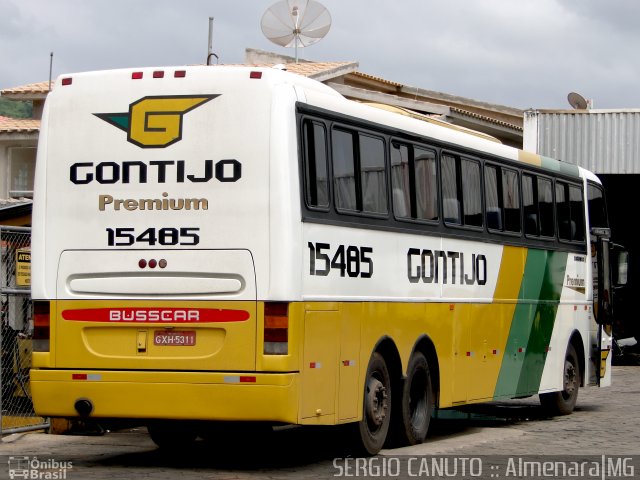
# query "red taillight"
(158, 74)
(256, 75)
(67, 81)
(136, 76)
(180, 73)
(276, 328)
(41, 326)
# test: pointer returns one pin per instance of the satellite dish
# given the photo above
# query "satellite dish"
(293, 23)
(577, 101)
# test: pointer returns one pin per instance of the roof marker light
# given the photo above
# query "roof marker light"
(180, 73)
(255, 74)
(67, 81)
(136, 76)
(158, 74)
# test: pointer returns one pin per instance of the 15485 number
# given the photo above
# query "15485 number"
(348, 260)
(124, 237)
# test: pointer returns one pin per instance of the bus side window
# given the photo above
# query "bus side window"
(577, 212)
(450, 201)
(315, 156)
(530, 204)
(400, 180)
(426, 189)
(545, 206)
(597, 207)
(492, 194)
(511, 200)
(373, 174)
(344, 180)
(562, 212)
(471, 193)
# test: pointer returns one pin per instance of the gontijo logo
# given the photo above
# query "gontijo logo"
(155, 122)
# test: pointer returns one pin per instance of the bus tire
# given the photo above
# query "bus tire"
(563, 402)
(371, 431)
(172, 435)
(417, 400)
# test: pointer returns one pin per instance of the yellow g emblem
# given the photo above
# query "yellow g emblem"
(155, 122)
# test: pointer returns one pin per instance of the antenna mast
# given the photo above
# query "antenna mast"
(210, 50)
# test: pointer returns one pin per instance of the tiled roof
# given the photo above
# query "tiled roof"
(18, 125)
(40, 88)
(485, 118)
(378, 79)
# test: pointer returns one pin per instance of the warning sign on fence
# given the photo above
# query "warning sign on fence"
(23, 267)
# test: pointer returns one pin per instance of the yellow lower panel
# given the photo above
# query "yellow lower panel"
(171, 395)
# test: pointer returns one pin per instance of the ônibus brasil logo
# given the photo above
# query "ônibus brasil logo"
(155, 122)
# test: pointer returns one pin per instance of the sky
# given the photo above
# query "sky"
(518, 53)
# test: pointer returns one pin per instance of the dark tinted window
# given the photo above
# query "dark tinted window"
(597, 207)
(491, 195)
(530, 205)
(471, 193)
(577, 213)
(450, 200)
(511, 200)
(545, 207)
(563, 212)
(373, 174)
(315, 144)
(344, 181)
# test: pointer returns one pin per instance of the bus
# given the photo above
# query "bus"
(232, 246)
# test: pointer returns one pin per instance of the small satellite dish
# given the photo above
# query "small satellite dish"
(577, 101)
(293, 23)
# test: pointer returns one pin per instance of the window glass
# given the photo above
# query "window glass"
(597, 207)
(400, 180)
(450, 201)
(562, 212)
(344, 182)
(494, 212)
(471, 193)
(426, 184)
(545, 207)
(511, 200)
(22, 166)
(530, 205)
(577, 213)
(317, 194)
(373, 174)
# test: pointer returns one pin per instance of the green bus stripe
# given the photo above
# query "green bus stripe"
(532, 323)
(544, 320)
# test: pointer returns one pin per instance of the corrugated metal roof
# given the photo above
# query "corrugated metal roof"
(603, 141)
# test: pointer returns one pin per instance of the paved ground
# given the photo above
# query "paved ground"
(606, 422)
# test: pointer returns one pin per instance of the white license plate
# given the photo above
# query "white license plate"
(174, 338)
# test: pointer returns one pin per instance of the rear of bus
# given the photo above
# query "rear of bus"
(151, 246)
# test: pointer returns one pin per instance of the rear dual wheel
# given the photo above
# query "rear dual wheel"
(417, 401)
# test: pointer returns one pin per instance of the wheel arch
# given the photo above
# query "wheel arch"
(389, 351)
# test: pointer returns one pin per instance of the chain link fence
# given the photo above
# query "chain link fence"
(16, 330)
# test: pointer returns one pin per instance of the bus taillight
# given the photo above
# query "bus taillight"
(41, 323)
(276, 328)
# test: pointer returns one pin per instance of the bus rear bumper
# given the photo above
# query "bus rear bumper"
(167, 395)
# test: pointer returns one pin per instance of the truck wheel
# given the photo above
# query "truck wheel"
(172, 435)
(563, 402)
(417, 400)
(371, 432)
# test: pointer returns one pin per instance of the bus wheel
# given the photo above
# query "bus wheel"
(417, 400)
(563, 403)
(172, 435)
(372, 429)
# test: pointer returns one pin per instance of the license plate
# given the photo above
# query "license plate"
(173, 338)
